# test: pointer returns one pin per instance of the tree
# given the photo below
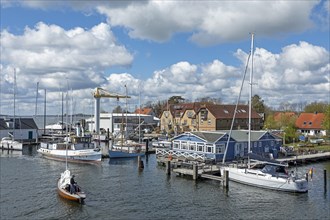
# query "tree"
(270, 122)
(258, 104)
(175, 100)
(320, 107)
(118, 109)
(326, 121)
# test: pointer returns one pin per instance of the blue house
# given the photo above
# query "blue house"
(211, 145)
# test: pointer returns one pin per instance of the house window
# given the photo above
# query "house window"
(272, 143)
(192, 146)
(209, 148)
(260, 144)
(184, 145)
(200, 147)
(255, 144)
(220, 148)
(176, 145)
(209, 122)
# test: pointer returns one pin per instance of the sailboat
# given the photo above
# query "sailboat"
(66, 186)
(9, 142)
(125, 148)
(263, 173)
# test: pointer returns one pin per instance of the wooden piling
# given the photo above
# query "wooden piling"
(195, 172)
(306, 176)
(225, 181)
(325, 180)
(168, 167)
(140, 163)
(147, 146)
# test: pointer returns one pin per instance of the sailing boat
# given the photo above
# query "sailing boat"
(9, 142)
(125, 148)
(66, 187)
(263, 173)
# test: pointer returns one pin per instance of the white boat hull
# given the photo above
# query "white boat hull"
(264, 180)
(11, 145)
(88, 155)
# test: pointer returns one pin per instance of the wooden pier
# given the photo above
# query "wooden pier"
(195, 169)
(306, 158)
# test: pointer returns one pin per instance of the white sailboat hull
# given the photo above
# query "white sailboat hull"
(11, 145)
(263, 180)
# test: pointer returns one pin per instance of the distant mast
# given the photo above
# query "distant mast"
(14, 120)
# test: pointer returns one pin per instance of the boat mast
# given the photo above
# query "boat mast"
(14, 120)
(250, 98)
(66, 132)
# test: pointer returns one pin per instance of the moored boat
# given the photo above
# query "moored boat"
(10, 144)
(270, 176)
(79, 149)
(125, 149)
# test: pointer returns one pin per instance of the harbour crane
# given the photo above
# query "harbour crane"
(98, 94)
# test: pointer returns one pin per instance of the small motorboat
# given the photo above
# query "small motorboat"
(63, 188)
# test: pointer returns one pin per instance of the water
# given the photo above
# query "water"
(116, 189)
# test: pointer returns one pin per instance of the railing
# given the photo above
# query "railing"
(178, 154)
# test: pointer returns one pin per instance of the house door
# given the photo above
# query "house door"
(239, 150)
(30, 134)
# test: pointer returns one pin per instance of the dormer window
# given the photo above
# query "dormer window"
(305, 123)
(310, 123)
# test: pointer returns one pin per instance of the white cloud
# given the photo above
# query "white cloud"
(211, 22)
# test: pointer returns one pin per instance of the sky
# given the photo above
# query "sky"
(158, 49)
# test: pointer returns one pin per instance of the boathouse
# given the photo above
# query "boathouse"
(211, 145)
(25, 128)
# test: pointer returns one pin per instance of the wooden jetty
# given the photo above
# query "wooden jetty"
(195, 169)
(306, 158)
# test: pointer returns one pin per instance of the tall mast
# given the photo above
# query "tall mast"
(36, 110)
(250, 96)
(14, 124)
(126, 114)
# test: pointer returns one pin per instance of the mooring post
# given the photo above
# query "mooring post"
(325, 180)
(306, 176)
(168, 167)
(140, 163)
(225, 179)
(195, 172)
(147, 146)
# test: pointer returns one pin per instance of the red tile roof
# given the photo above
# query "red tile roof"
(278, 116)
(145, 111)
(310, 121)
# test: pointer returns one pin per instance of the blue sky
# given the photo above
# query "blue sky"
(194, 49)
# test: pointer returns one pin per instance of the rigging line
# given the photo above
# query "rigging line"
(238, 99)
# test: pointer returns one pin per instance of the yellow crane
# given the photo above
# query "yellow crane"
(98, 94)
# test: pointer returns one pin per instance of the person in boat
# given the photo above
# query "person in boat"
(72, 185)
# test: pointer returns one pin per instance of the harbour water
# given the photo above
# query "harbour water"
(116, 189)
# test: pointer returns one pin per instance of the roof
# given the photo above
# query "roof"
(145, 111)
(227, 111)
(20, 123)
(238, 135)
(310, 120)
(210, 137)
(278, 116)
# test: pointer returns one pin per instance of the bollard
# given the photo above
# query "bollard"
(306, 176)
(168, 167)
(325, 180)
(195, 172)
